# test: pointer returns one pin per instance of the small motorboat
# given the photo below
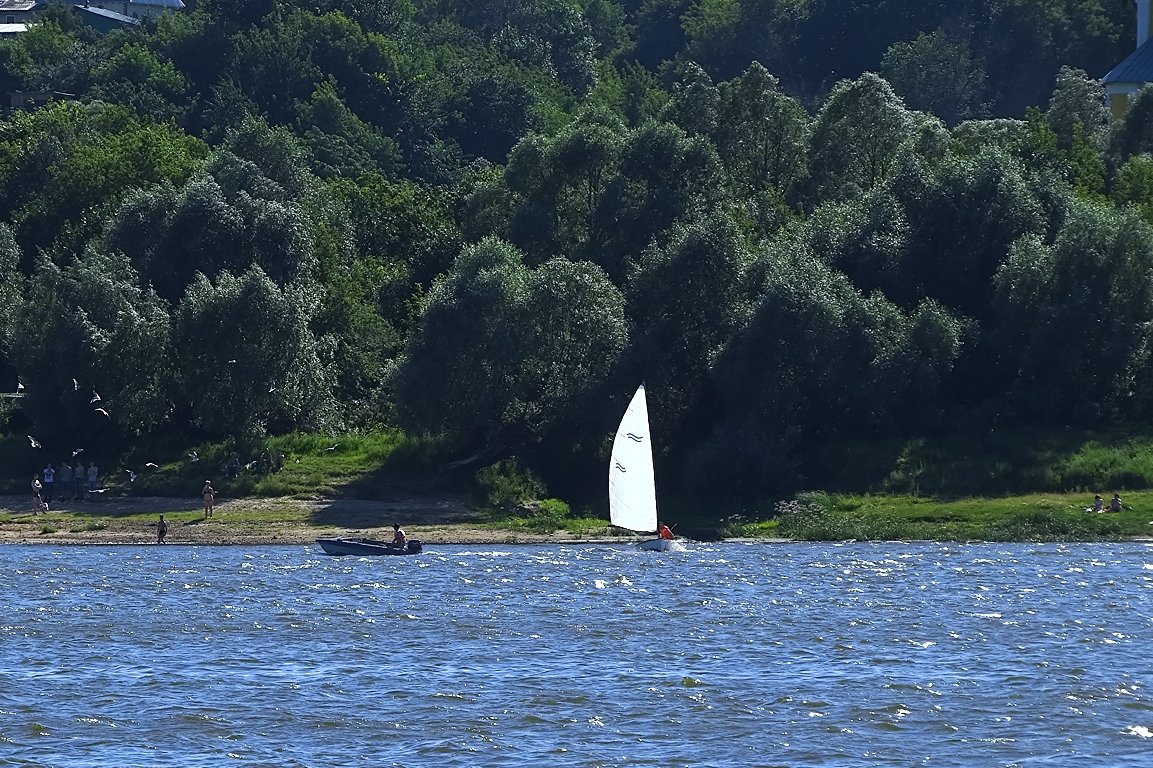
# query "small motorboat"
(351, 545)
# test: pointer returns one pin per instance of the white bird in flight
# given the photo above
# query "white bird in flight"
(35, 443)
(76, 452)
(103, 413)
(151, 465)
(194, 455)
(95, 397)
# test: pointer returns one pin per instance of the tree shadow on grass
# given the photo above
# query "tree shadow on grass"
(403, 508)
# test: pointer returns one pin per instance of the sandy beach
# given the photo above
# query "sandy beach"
(434, 519)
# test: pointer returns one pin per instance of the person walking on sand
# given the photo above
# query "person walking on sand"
(161, 530)
(209, 496)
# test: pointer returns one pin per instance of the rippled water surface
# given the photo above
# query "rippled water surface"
(727, 655)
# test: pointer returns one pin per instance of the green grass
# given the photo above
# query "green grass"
(352, 464)
(1032, 517)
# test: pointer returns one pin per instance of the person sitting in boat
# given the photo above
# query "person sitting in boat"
(1115, 504)
(665, 532)
(1098, 503)
(399, 539)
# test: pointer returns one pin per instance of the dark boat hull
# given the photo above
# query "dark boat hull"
(347, 545)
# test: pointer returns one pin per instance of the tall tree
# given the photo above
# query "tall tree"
(249, 363)
(504, 352)
(856, 137)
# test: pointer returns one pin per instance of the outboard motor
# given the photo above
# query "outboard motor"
(414, 547)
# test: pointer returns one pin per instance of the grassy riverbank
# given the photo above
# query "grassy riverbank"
(1031, 517)
(950, 489)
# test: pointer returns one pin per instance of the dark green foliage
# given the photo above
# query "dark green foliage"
(488, 221)
(504, 353)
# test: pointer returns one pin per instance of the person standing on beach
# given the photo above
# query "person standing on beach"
(93, 473)
(209, 496)
(78, 482)
(49, 483)
(38, 500)
(161, 530)
(64, 477)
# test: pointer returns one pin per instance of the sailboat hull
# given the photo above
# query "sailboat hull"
(661, 545)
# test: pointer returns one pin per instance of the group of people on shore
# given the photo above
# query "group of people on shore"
(1099, 503)
(68, 480)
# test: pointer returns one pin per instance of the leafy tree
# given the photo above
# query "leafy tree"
(11, 294)
(686, 299)
(88, 329)
(856, 137)
(1133, 133)
(1134, 185)
(964, 215)
(695, 102)
(1072, 328)
(63, 166)
(762, 134)
(937, 73)
(135, 76)
(818, 359)
(249, 363)
(664, 177)
(1078, 99)
(504, 353)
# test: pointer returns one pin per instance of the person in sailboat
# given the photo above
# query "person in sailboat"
(665, 532)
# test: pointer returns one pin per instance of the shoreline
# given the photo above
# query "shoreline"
(131, 520)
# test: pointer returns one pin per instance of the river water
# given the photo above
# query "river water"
(895, 654)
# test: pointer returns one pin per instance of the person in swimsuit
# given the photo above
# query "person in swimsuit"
(38, 500)
(399, 539)
(209, 496)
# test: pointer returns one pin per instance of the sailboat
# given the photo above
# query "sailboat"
(632, 487)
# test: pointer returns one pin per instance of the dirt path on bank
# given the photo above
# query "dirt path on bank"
(434, 519)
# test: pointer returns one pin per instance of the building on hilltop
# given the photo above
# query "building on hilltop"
(102, 19)
(1136, 71)
(18, 11)
(133, 9)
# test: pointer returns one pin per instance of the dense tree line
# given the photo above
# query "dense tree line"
(799, 222)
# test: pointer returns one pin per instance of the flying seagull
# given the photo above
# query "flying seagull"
(131, 475)
(95, 397)
(34, 441)
(19, 385)
(333, 447)
(152, 465)
(75, 385)
(76, 452)
(272, 388)
(103, 413)
(194, 455)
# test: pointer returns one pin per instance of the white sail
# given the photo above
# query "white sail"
(632, 490)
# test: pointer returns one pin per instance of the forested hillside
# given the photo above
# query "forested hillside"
(799, 221)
